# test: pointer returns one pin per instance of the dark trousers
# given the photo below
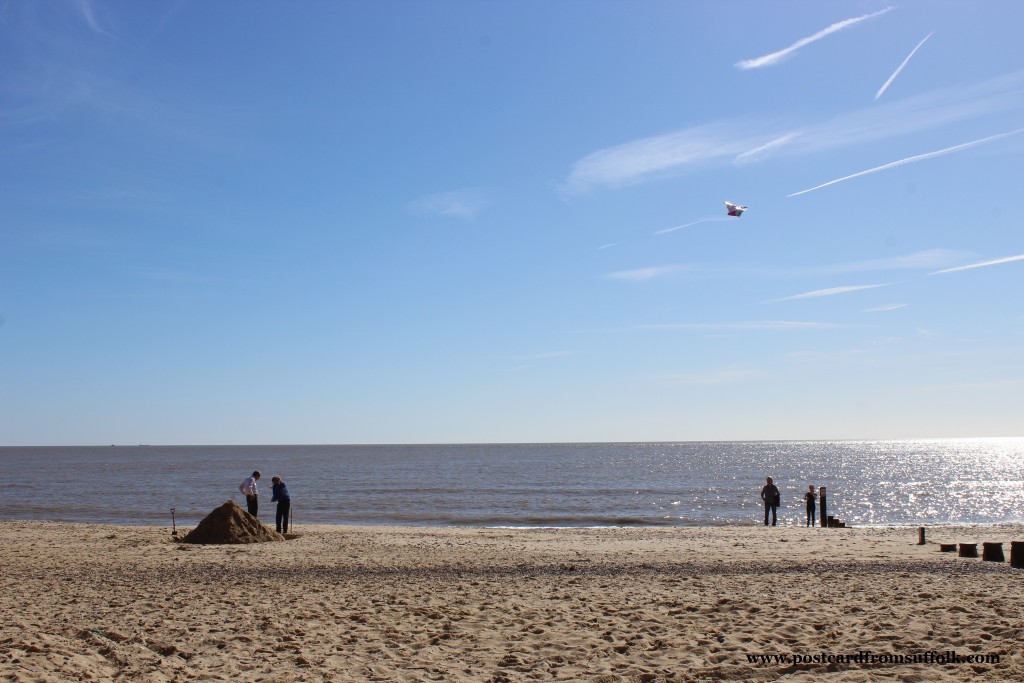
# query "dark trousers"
(253, 503)
(774, 510)
(283, 508)
(810, 515)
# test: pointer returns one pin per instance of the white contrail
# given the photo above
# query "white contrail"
(775, 57)
(753, 154)
(908, 160)
(995, 262)
(642, 273)
(832, 291)
(680, 227)
(900, 68)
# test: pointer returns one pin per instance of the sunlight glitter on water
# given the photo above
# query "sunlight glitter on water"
(627, 484)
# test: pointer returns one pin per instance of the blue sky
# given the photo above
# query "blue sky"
(384, 222)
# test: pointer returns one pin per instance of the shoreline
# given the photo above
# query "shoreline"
(543, 485)
(370, 525)
(410, 603)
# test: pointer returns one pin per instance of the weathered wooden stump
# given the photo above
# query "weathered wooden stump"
(823, 507)
(920, 535)
(992, 552)
(947, 547)
(968, 550)
(1017, 554)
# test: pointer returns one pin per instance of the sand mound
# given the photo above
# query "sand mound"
(231, 524)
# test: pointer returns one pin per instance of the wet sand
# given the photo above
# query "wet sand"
(338, 603)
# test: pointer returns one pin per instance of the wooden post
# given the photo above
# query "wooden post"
(1017, 554)
(823, 512)
(920, 535)
(992, 552)
(947, 547)
(968, 550)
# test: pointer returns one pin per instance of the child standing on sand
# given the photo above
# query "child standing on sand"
(810, 497)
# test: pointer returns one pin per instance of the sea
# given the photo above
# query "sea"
(877, 483)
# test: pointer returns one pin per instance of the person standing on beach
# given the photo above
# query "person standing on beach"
(771, 497)
(810, 497)
(284, 504)
(248, 489)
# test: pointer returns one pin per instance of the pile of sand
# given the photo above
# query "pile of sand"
(231, 524)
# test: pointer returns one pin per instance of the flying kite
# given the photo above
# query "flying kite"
(735, 209)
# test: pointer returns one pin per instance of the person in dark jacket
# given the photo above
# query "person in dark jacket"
(284, 504)
(771, 497)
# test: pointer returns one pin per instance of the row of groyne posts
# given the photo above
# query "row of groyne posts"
(990, 552)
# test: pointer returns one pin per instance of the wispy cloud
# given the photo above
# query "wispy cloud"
(752, 325)
(69, 77)
(518, 368)
(928, 259)
(910, 160)
(85, 8)
(983, 264)
(831, 291)
(464, 203)
(752, 141)
(882, 121)
(900, 67)
(964, 386)
(920, 260)
(643, 273)
(529, 358)
(831, 357)
(545, 355)
(725, 375)
(885, 308)
(633, 161)
(776, 57)
(178, 277)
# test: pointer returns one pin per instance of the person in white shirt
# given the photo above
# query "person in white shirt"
(248, 488)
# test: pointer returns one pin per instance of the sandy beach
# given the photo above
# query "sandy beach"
(339, 603)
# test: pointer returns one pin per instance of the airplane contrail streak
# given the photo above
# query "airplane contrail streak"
(909, 160)
(680, 227)
(900, 67)
(775, 57)
(994, 262)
